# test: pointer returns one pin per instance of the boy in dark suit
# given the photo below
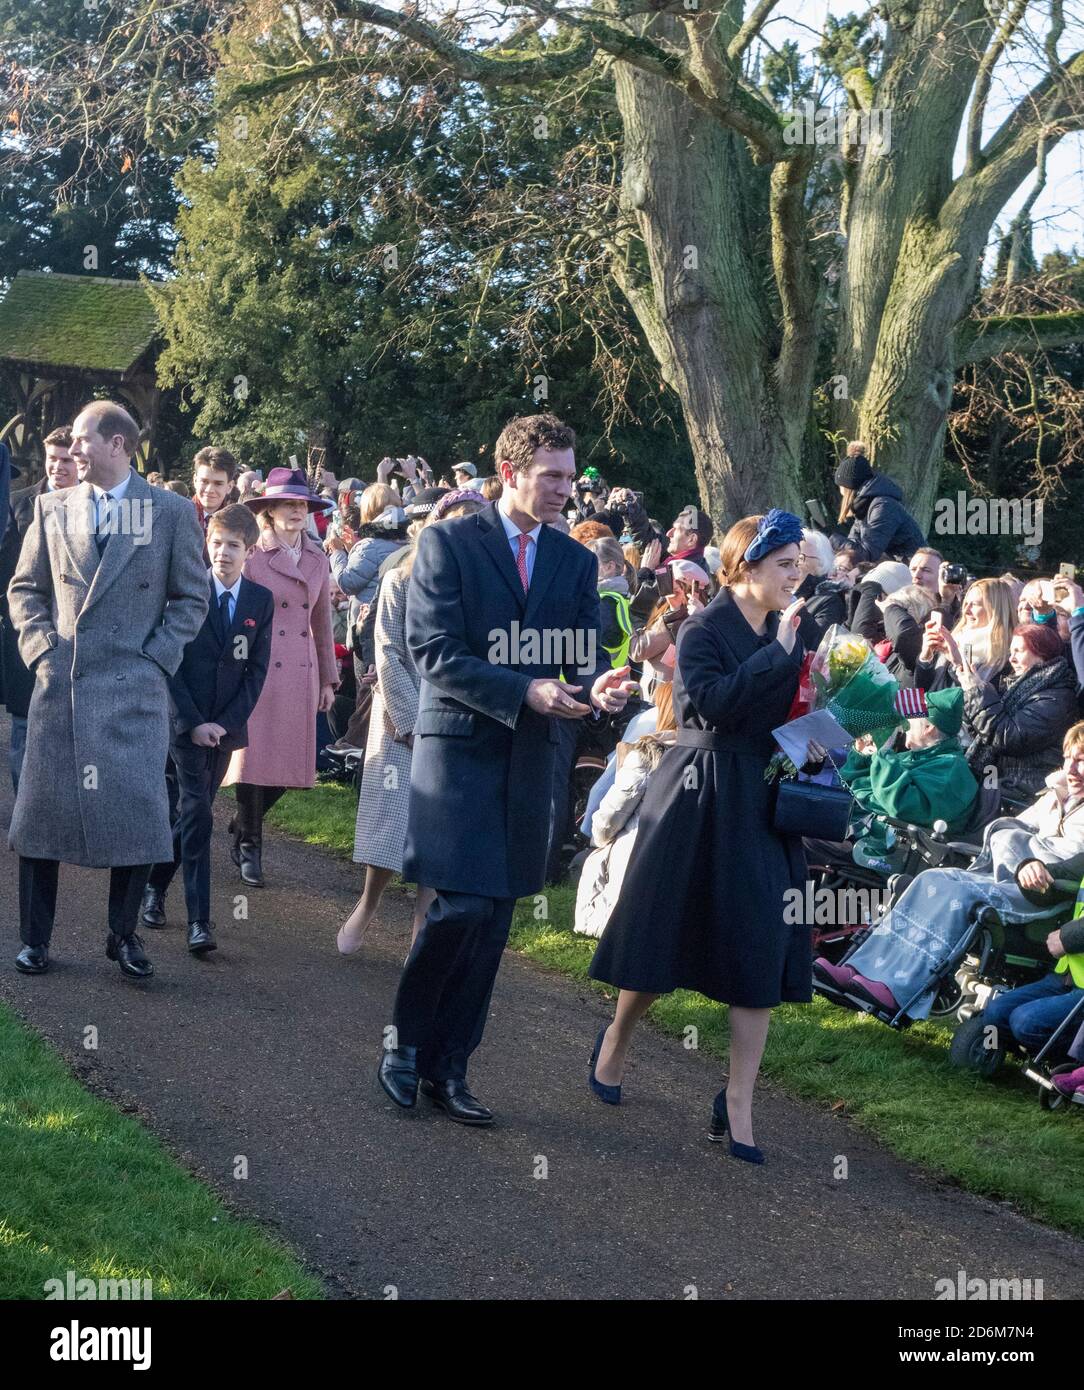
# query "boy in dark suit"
(213, 693)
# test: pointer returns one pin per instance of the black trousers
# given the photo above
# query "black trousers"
(444, 993)
(568, 737)
(196, 775)
(38, 880)
(252, 805)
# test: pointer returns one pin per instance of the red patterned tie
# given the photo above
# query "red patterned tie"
(521, 559)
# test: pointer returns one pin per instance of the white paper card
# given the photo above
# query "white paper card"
(819, 726)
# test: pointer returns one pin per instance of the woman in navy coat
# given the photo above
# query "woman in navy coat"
(702, 903)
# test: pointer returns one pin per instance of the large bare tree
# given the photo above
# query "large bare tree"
(755, 241)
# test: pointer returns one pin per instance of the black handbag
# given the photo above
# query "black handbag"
(813, 810)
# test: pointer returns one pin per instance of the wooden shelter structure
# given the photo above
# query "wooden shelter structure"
(66, 340)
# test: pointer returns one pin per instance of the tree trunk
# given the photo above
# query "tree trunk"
(700, 289)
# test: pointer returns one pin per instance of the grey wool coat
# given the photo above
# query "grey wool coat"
(102, 636)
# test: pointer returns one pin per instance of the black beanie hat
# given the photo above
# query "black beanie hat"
(853, 472)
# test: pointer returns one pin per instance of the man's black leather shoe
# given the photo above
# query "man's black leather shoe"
(127, 951)
(201, 938)
(457, 1102)
(33, 960)
(398, 1074)
(251, 868)
(152, 910)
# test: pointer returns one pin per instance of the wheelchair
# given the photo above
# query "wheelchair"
(1020, 951)
(990, 956)
(921, 848)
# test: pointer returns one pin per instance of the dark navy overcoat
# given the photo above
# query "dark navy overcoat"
(482, 771)
(703, 902)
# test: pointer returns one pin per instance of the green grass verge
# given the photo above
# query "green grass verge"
(990, 1137)
(88, 1189)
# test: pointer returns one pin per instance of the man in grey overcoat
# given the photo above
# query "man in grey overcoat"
(109, 590)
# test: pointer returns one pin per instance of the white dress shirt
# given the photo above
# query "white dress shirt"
(221, 589)
(512, 531)
(116, 492)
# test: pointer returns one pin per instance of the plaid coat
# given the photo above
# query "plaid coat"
(381, 827)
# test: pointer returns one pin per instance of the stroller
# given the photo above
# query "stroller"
(1042, 1073)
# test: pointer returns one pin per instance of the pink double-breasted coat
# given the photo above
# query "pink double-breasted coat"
(281, 748)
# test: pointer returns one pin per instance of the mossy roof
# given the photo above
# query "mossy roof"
(82, 322)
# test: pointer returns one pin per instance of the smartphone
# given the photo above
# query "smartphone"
(1067, 571)
(816, 513)
(938, 620)
(665, 579)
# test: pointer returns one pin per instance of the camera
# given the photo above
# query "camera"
(622, 506)
(955, 574)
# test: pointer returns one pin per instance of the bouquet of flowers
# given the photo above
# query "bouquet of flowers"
(846, 679)
(854, 686)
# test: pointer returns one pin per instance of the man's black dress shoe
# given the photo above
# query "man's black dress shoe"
(398, 1074)
(201, 938)
(152, 910)
(127, 951)
(33, 960)
(251, 868)
(457, 1102)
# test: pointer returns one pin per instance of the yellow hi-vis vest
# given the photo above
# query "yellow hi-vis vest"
(1074, 964)
(619, 655)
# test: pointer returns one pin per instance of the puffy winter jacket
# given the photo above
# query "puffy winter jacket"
(1018, 726)
(883, 527)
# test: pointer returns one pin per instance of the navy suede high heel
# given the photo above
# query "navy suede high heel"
(610, 1094)
(720, 1125)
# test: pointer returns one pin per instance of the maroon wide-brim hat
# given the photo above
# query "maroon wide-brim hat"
(288, 485)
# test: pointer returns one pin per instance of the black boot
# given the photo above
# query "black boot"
(251, 868)
(235, 841)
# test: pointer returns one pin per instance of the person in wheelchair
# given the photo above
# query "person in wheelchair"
(896, 969)
(927, 780)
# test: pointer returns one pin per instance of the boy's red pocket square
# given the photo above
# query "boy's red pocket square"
(250, 622)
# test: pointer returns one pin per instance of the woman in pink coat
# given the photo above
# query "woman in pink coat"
(302, 675)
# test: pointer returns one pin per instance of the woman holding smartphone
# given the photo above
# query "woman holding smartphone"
(653, 646)
(702, 904)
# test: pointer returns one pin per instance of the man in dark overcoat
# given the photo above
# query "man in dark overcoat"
(500, 606)
(109, 589)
